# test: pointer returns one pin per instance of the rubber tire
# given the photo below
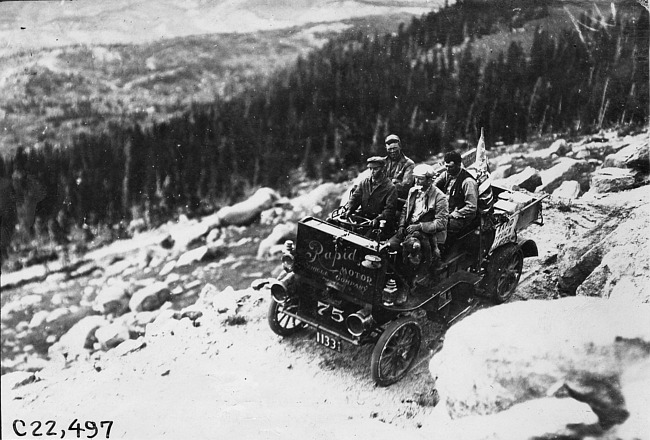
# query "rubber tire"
(400, 330)
(281, 324)
(503, 273)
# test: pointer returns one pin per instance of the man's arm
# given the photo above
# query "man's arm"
(389, 208)
(402, 219)
(407, 177)
(355, 198)
(470, 191)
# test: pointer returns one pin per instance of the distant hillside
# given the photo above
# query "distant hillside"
(28, 26)
(50, 95)
(91, 76)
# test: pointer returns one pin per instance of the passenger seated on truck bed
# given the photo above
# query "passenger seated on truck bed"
(462, 192)
(425, 211)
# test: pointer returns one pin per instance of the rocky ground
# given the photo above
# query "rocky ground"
(163, 335)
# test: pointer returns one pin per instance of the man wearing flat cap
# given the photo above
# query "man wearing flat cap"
(399, 168)
(375, 195)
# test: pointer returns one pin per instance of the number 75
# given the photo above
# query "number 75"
(336, 313)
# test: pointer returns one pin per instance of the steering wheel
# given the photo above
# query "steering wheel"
(355, 222)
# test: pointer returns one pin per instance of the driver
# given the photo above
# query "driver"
(376, 195)
(425, 212)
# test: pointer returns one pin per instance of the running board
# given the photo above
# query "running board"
(462, 313)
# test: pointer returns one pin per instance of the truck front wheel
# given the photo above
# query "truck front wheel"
(281, 323)
(503, 272)
(395, 351)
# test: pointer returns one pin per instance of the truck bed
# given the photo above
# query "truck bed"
(525, 206)
(515, 210)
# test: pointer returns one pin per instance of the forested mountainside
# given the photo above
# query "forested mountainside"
(431, 82)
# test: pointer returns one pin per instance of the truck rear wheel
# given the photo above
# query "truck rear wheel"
(504, 272)
(395, 351)
(281, 323)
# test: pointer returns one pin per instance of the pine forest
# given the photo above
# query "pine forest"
(429, 82)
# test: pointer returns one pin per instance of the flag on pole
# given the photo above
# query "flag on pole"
(482, 167)
(481, 171)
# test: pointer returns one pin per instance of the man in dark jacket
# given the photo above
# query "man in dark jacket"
(375, 195)
(399, 168)
(461, 189)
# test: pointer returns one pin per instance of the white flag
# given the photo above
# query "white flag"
(482, 167)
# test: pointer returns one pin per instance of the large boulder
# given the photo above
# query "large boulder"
(545, 418)
(502, 172)
(528, 179)
(577, 347)
(565, 169)
(623, 267)
(559, 147)
(78, 340)
(184, 232)
(612, 179)
(192, 256)
(635, 155)
(112, 335)
(136, 322)
(150, 297)
(227, 301)
(113, 298)
(595, 150)
(613, 252)
(246, 212)
(568, 190)
(312, 202)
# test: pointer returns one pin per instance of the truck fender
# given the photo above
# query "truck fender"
(528, 248)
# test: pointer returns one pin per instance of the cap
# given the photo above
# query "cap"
(423, 170)
(376, 159)
(392, 138)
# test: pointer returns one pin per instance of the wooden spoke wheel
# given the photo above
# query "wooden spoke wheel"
(281, 323)
(504, 272)
(395, 351)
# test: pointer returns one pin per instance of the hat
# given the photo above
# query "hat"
(423, 170)
(376, 159)
(392, 138)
